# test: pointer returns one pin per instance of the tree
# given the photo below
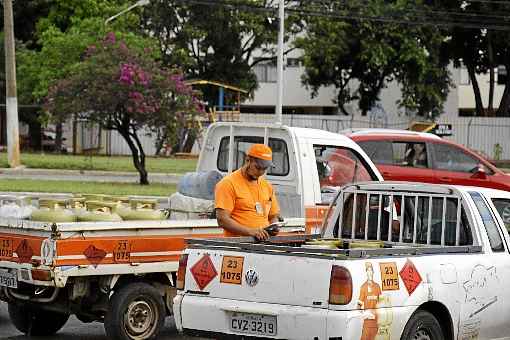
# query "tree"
(216, 41)
(479, 40)
(50, 37)
(124, 89)
(359, 57)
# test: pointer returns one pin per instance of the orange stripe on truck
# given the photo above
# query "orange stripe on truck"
(112, 250)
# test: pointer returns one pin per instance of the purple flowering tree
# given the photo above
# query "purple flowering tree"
(124, 89)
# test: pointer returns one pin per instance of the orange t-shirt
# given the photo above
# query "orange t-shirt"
(235, 194)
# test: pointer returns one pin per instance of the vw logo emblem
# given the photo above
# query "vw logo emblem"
(252, 278)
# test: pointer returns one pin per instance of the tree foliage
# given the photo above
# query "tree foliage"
(360, 57)
(481, 50)
(51, 36)
(216, 42)
(120, 86)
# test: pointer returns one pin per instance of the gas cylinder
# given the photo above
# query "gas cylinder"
(99, 211)
(143, 209)
(53, 210)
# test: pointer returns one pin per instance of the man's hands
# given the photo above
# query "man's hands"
(225, 221)
(259, 233)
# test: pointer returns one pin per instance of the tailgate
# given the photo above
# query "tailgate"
(291, 279)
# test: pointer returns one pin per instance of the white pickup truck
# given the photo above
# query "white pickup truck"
(123, 273)
(396, 261)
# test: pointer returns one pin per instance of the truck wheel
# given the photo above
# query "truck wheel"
(136, 312)
(37, 322)
(422, 326)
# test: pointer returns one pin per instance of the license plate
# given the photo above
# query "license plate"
(253, 324)
(8, 279)
(6, 248)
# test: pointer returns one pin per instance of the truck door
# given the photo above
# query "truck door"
(484, 311)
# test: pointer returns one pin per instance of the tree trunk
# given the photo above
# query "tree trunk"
(505, 98)
(35, 133)
(476, 89)
(144, 180)
(58, 137)
(137, 155)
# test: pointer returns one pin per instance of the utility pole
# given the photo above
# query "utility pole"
(138, 3)
(279, 63)
(13, 155)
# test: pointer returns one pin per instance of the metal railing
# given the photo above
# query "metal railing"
(401, 216)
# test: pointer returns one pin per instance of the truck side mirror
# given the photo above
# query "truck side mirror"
(479, 172)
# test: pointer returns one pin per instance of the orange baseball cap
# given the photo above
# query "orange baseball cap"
(262, 153)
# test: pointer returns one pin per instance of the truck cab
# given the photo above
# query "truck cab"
(309, 164)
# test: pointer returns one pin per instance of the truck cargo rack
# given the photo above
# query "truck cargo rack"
(412, 213)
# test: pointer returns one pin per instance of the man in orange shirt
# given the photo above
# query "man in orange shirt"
(245, 201)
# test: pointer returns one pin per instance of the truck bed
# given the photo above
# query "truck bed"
(103, 248)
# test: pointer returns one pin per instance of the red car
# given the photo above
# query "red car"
(403, 155)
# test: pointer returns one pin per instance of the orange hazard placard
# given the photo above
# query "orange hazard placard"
(122, 252)
(94, 255)
(203, 271)
(410, 276)
(6, 250)
(389, 275)
(232, 269)
(24, 252)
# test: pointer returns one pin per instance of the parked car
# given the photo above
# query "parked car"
(423, 157)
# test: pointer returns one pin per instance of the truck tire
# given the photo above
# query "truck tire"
(136, 312)
(36, 322)
(422, 326)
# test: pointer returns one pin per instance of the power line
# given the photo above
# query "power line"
(415, 21)
(496, 2)
(432, 11)
(423, 18)
(420, 17)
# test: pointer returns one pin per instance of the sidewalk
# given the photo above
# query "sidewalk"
(86, 175)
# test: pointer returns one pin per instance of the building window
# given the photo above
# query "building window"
(293, 62)
(265, 72)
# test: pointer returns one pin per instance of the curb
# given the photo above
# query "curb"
(31, 171)
(87, 175)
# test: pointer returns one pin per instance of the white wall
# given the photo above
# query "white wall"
(294, 93)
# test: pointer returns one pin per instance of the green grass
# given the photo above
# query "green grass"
(29, 185)
(104, 163)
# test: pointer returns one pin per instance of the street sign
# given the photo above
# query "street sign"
(443, 130)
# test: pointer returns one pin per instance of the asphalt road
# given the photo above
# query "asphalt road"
(76, 330)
